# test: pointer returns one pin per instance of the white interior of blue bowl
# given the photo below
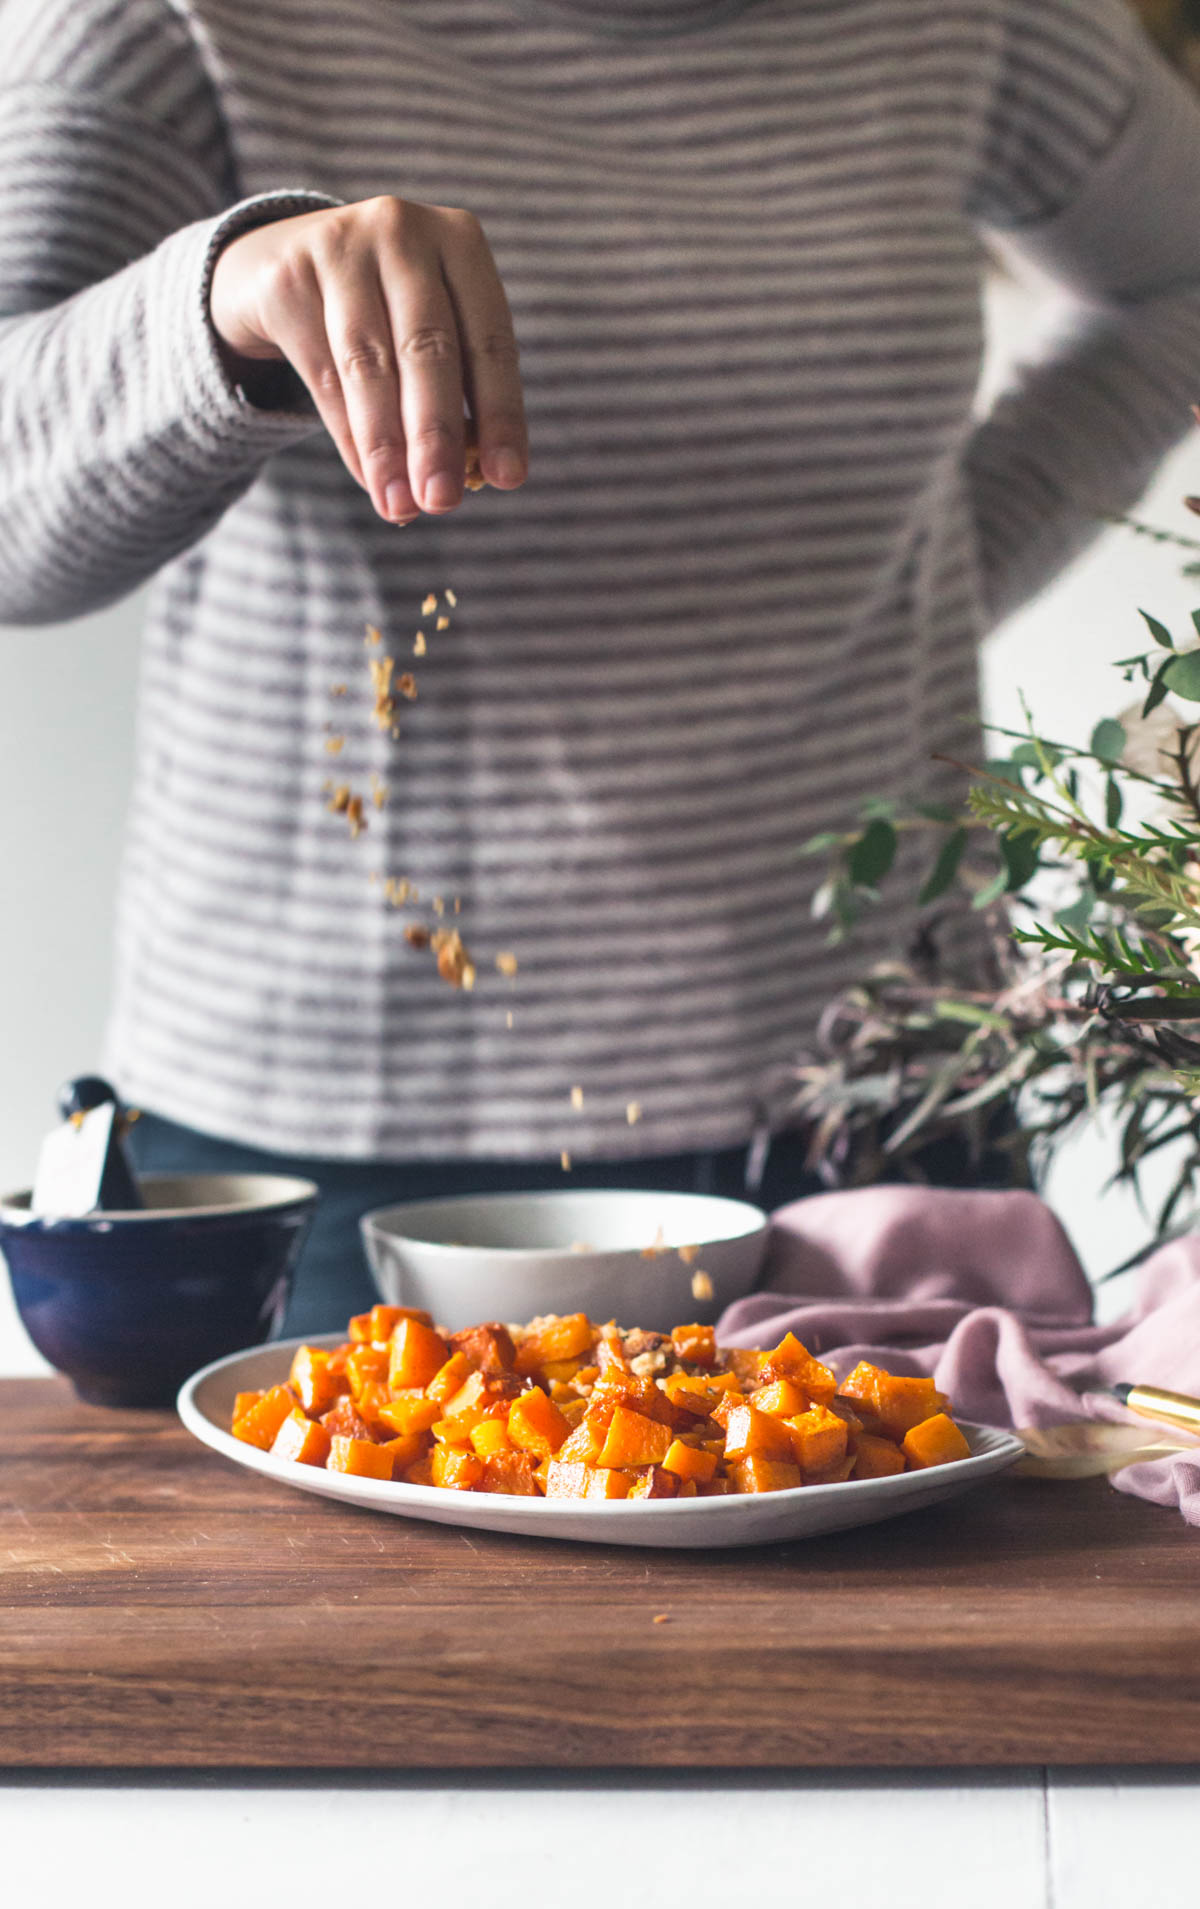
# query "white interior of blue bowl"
(184, 1195)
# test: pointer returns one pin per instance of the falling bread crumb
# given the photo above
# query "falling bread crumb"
(633, 1112)
(564, 1161)
(702, 1286)
(577, 1099)
(429, 605)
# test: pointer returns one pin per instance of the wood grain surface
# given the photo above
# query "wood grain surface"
(161, 1607)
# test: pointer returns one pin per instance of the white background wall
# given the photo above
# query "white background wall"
(66, 727)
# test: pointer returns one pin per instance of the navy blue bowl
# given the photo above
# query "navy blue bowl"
(128, 1305)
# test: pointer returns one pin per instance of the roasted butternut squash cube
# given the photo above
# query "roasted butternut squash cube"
(366, 1365)
(582, 1444)
(633, 1439)
(260, 1425)
(935, 1441)
(791, 1360)
(360, 1457)
(654, 1483)
(553, 1338)
(603, 1482)
(482, 1395)
(416, 1354)
(420, 1472)
(344, 1420)
(311, 1379)
(405, 1450)
(408, 1412)
(750, 1433)
(696, 1344)
(489, 1348)
(567, 1478)
(377, 1326)
(511, 1473)
(903, 1403)
(782, 1398)
(818, 1439)
(447, 1379)
(490, 1438)
(369, 1404)
(765, 1474)
(687, 1461)
(302, 1439)
(455, 1469)
(536, 1425)
(876, 1457)
(241, 1404)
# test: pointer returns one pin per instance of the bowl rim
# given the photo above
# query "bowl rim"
(288, 1190)
(375, 1223)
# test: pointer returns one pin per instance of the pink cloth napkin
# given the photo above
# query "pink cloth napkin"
(984, 1293)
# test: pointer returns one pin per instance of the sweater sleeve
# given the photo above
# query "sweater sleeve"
(1091, 167)
(124, 438)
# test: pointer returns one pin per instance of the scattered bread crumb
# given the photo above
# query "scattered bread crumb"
(407, 685)
(419, 644)
(657, 1245)
(373, 635)
(508, 1019)
(688, 1253)
(451, 599)
(339, 689)
(443, 623)
(661, 1618)
(429, 605)
(334, 744)
(506, 962)
(633, 1112)
(577, 1099)
(564, 1161)
(702, 1286)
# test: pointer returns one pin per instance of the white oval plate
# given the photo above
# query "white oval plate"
(772, 1517)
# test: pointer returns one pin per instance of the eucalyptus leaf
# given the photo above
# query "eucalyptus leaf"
(1114, 801)
(1182, 676)
(945, 868)
(873, 854)
(1158, 631)
(1108, 740)
(1158, 691)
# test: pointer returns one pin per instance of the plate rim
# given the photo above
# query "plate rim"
(1003, 1447)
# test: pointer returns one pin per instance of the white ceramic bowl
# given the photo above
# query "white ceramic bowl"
(612, 1254)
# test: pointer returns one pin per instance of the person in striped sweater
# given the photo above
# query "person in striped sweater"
(741, 533)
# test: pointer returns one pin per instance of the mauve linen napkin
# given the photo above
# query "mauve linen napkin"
(983, 1292)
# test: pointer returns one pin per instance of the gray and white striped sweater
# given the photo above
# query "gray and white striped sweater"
(743, 586)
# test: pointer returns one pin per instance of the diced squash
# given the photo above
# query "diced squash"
(511, 1473)
(366, 1365)
(903, 1403)
(447, 1379)
(603, 1482)
(313, 1382)
(535, 1424)
(490, 1438)
(489, 1348)
(242, 1403)
(582, 1445)
(481, 1395)
(409, 1412)
(791, 1360)
(369, 1404)
(456, 1469)
(935, 1441)
(260, 1425)
(344, 1420)
(567, 1478)
(686, 1461)
(632, 1439)
(655, 1483)
(301, 1439)
(554, 1338)
(377, 1326)
(420, 1472)
(405, 1450)
(782, 1398)
(417, 1352)
(765, 1474)
(818, 1439)
(360, 1457)
(752, 1434)
(876, 1457)
(696, 1344)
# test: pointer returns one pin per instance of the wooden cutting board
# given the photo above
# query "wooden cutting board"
(160, 1606)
